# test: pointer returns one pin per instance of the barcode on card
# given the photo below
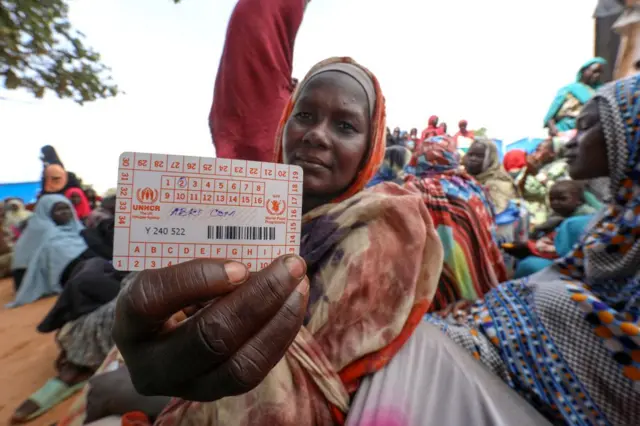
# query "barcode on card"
(253, 233)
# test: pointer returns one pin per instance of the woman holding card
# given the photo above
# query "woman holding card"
(370, 280)
(303, 332)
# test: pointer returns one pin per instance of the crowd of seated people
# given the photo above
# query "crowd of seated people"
(425, 275)
(63, 247)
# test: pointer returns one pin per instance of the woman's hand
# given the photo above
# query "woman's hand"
(227, 347)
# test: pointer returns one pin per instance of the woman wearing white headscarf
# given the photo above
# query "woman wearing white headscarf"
(16, 214)
(483, 163)
(45, 251)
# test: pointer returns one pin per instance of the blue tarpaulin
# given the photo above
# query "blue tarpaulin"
(527, 144)
(26, 191)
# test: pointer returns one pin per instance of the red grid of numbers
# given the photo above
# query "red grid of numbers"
(221, 192)
(222, 184)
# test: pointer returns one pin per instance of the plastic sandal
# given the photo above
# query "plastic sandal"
(48, 396)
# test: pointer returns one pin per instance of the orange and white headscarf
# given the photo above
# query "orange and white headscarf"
(377, 146)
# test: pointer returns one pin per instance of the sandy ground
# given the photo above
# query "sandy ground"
(26, 356)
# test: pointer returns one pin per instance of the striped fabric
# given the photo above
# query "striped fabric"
(465, 222)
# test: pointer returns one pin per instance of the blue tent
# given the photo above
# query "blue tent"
(26, 191)
(527, 144)
(500, 146)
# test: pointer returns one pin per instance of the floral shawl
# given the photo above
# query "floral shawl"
(372, 279)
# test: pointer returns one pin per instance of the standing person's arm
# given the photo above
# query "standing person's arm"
(254, 81)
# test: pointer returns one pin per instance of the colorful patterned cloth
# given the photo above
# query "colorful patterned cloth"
(568, 337)
(396, 159)
(464, 220)
(373, 260)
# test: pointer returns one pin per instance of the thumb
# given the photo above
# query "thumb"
(156, 294)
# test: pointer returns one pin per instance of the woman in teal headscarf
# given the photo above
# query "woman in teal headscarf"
(569, 101)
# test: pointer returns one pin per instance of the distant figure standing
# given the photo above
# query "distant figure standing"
(464, 137)
(432, 128)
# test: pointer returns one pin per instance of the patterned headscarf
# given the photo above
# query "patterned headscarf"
(612, 247)
(436, 156)
(396, 159)
(377, 118)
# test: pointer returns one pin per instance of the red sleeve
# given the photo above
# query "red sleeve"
(253, 83)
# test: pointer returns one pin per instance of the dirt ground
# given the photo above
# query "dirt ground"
(26, 356)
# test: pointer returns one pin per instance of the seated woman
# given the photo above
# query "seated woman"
(464, 220)
(512, 218)
(48, 250)
(567, 338)
(16, 216)
(396, 158)
(80, 203)
(565, 107)
(482, 162)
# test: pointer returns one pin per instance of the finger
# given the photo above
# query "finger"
(216, 332)
(251, 364)
(155, 295)
(225, 326)
(241, 315)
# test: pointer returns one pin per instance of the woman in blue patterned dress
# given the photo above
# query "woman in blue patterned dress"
(567, 339)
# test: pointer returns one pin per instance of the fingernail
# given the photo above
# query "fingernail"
(236, 272)
(295, 266)
(303, 287)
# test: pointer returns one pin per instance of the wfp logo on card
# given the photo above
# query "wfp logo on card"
(147, 197)
(276, 207)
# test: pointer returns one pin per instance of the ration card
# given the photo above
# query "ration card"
(174, 208)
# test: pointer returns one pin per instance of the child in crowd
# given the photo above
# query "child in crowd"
(550, 240)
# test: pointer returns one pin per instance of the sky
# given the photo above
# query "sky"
(495, 63)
